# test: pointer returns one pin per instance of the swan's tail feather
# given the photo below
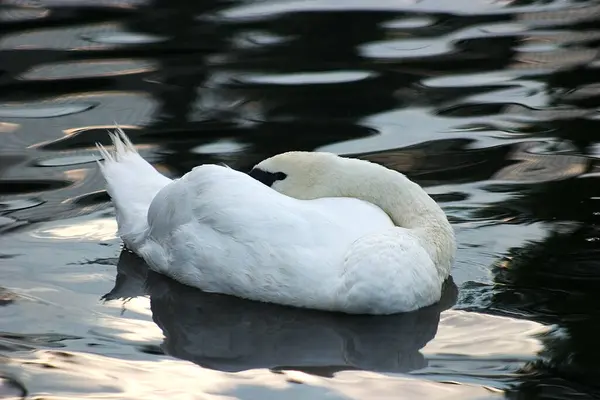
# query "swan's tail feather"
(122, 145)
(131, 183)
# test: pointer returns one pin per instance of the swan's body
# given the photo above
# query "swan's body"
(222, 231)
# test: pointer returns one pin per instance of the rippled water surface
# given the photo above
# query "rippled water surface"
(492, 106)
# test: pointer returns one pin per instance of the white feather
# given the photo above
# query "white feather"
(132, 184)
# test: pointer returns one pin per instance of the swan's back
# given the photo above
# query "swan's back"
(235, 205)
(222, 231)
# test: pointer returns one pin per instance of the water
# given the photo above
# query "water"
(490, 105)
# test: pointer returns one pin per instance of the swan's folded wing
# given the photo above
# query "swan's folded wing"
(232, 236)
(229, 213)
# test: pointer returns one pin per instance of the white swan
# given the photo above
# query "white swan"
(336, 234)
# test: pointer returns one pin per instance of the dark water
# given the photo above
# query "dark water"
(492, 106)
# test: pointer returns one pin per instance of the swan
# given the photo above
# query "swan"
(303, 229)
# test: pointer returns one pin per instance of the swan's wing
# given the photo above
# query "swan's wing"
(222, 231)
(216, 218)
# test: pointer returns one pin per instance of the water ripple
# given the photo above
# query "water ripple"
(42, 111)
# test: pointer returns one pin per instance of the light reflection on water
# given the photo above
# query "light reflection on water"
(490, 105)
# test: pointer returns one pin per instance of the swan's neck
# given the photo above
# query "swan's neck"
(407, 204)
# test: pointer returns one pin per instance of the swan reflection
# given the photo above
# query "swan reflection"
(231, 334)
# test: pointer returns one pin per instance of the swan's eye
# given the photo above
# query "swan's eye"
(268, 178)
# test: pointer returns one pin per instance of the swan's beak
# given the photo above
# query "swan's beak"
(268, 178)
(258, 174)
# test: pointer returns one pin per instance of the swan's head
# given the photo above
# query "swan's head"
(300, 174)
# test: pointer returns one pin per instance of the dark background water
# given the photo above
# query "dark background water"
(492, 106)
